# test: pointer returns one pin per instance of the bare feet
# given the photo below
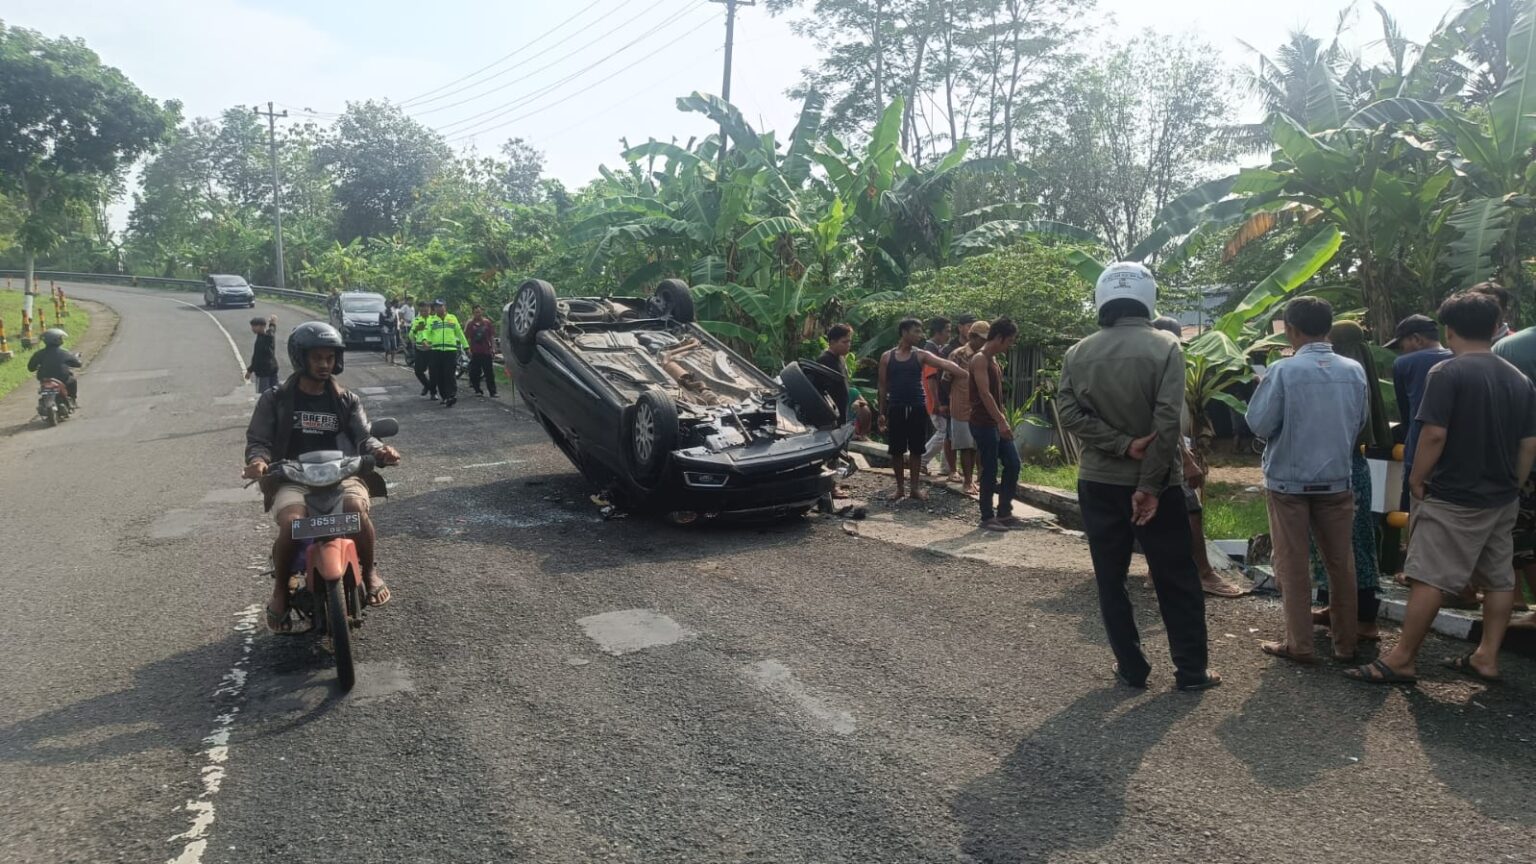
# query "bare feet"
(919, 494)
(972, 489)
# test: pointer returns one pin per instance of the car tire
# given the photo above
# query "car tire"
(815, 407)
(651, 435)
(532, 309)
(673, 299)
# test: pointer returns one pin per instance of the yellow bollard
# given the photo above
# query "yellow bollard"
(42, 322)
(26, 330)
(63, 304)
(5, 350)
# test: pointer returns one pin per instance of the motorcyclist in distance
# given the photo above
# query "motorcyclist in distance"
(52, 361)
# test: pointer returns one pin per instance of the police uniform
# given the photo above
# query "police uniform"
(446, 339)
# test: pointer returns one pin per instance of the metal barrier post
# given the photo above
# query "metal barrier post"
(5, 350)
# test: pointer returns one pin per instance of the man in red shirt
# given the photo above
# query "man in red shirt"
(481, 333)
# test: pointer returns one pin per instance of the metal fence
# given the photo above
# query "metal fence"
(155, 282)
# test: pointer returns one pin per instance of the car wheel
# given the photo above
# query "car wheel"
(673, 299)
(532, 309)
(652, 435)
(815, 407)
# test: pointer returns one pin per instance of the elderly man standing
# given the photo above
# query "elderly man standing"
(1121, 392)
(1311, 408)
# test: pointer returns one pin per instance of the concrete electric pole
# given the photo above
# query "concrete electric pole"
(277, 203)
(730, 44)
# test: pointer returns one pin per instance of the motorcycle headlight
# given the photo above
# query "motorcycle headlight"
(323, 474)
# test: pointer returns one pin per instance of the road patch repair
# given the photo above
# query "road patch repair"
(777, 679)
(631, 630)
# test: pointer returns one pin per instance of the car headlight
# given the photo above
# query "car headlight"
(323, 474)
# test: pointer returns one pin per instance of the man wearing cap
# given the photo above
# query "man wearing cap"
(1121, 393)
(1417, 340)
(447, 339)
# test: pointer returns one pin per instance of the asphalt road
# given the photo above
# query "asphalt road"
(551, 687)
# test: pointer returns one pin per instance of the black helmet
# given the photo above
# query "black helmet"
(54, 336)
(314, 334)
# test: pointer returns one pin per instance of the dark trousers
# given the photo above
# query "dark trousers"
(421, 363)
(444, 373)
(482, 366)
(1167, 544)
(992, 449)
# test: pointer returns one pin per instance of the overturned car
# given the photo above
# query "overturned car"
(649, 406)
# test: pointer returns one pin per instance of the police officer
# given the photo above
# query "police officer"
(421, 351)
(447, 339)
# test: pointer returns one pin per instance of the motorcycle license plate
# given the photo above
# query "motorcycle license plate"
(313, 527)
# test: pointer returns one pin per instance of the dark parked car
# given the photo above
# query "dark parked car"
(355, 314)
(671, 421)
(222, 290)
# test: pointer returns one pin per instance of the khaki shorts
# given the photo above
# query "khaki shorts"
(292, 495)
(1454, 547)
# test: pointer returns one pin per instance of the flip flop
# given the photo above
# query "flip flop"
(1378, 672)
(1281, 650)
(1463, 664)
(1227, 590)
(379, 596)
(282, 625)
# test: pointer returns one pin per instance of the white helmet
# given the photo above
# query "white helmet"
(1126, 280)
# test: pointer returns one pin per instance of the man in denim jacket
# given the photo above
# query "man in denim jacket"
(1311, 408)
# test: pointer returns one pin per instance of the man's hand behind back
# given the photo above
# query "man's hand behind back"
(1143, 507)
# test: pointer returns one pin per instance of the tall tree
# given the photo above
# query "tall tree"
(68, 127)
(523, 174)
(382, 159)
(1130, 135)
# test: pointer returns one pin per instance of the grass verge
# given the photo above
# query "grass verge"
(13, 372)
(1230, 512)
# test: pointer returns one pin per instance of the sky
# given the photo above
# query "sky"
(573, 78)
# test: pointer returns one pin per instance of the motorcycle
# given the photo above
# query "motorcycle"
(53, 402)
(325, 578)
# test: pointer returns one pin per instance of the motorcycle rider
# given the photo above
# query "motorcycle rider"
(52, 361)
(309, 412)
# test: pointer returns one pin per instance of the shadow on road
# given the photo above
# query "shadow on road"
(1481, 748)
(164, 708)
(1063, 788)
(1300, 724)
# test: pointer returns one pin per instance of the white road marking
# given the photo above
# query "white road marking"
(239, 361)
(775, 677)
(631, 630)
(231, 691)
(493, 464)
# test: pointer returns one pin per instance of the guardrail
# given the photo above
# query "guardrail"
(155, 282)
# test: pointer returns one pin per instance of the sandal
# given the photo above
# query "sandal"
(379, 596)
(1210, 680)
(1463, 664)
(1223, 589)
(280, 624)
(1378, 672)
(1281, 650)
(1123, 679)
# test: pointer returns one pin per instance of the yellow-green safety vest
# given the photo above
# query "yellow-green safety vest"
(445, 334)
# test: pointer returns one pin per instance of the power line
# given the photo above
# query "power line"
(422, 96)
(591, 115)
(480, 131)
(674, 17)
(509, 106)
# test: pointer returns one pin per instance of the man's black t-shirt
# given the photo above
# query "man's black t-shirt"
(316, 423)
(833, 362)
(1486, 406)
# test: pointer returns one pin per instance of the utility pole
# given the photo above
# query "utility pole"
(277, 203)
(730, 44)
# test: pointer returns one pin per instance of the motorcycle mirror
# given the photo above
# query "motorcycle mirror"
(386, 427)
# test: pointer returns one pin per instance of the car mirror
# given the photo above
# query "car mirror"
(386, 427)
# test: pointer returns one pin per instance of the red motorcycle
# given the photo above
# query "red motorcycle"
(325, 579)
(53, 402)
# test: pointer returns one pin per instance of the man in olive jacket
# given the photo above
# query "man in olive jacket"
(1121, 393)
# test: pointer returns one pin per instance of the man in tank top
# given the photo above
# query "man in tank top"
(903, 404)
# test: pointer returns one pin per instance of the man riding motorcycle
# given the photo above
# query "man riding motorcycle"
(309, 412)
(52, 361)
